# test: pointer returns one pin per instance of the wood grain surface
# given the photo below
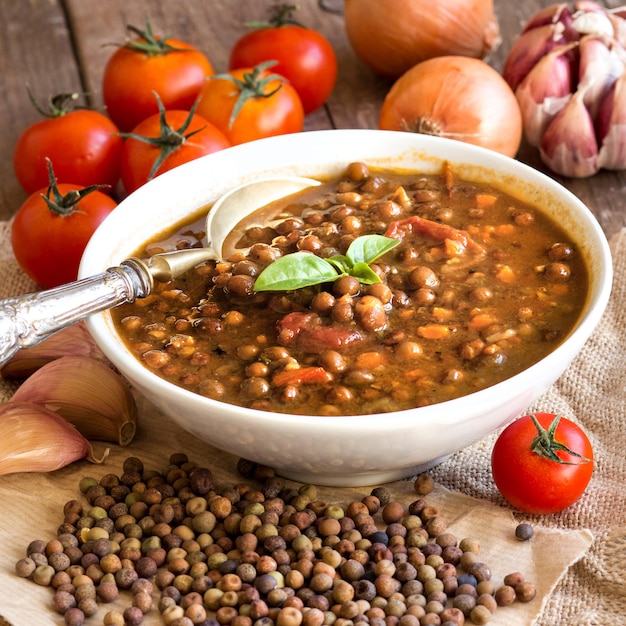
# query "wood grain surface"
(63, 45)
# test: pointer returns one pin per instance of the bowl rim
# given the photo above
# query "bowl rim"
(445, 413)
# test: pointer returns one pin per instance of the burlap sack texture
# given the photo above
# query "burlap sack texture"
(576, 557)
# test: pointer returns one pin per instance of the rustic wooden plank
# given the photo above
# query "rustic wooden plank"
(56, 63)
(213, 27)
(35, 47)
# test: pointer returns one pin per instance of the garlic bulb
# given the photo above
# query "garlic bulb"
(88, 394)
(566, 69)
(35, 439)
(72, 341)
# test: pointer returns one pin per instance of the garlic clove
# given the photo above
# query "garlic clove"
(528, 49)
(35, 439)
(590, 18)
(72, 341)
(553, 14)
(569, 143)
(88, 394)
(600, 67)
(611, 127)
(618, 19)
(545, 91)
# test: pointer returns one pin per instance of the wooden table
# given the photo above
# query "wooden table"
(61, 45)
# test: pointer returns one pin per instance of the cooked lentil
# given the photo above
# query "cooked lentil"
(480, 287)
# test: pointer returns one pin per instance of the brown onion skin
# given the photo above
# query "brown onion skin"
(392, 36)
(455, 97)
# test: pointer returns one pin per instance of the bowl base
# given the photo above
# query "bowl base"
(364, 479)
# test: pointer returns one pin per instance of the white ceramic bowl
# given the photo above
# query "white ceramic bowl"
(356, 450)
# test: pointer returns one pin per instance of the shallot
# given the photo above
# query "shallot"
(567, 71)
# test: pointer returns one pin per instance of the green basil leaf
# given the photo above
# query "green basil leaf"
(368, 248)
(341, 262)
(293, 271)
(365, 274)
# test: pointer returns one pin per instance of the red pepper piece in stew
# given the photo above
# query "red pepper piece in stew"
(312, 375)
(305, 332)
(435, 230)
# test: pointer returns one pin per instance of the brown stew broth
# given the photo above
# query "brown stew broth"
(481, 286)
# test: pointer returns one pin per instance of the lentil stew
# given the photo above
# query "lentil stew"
(480, 287)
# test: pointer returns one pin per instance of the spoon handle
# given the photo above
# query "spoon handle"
(27, 320)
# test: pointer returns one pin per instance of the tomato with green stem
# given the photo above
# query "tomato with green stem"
(251, 103)
(83, 144)
(174, 69)
(164, 141)
(303, 55)
(51, 229)
(542, 463)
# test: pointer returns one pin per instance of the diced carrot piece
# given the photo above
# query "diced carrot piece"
(484, 200)
(453, 248)
(303, 375)
(414, 374)
(504, 230)
(481, 320)
(371, 360)
(560, 288)
(437, 253)
(505, 274)
(401, 197)
(442, 315)
(433, 331)
(221, 268)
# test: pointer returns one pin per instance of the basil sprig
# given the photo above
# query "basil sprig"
(303, 269)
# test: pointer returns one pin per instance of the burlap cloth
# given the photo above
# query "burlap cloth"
(577, 558)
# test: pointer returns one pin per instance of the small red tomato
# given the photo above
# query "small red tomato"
(542, 463)
(84, 145)
(303, 55)
(251, 103)
(164, 141)
(175, 70)
(52, 227)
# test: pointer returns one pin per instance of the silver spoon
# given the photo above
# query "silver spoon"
(27, 320)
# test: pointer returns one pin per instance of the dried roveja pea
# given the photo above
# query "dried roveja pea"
(258, 554)
(523, 532)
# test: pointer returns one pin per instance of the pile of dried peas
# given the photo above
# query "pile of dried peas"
(260, 555)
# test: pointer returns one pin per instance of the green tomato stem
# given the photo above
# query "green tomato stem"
(545, 444)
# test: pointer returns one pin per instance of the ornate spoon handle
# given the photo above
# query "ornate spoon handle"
(26, 320)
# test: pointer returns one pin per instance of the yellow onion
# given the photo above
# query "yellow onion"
(458, 98)
(392, 36)
(566, 69)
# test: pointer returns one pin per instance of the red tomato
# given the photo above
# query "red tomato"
(48, 243)
(84, 146)
(526, 475)
(304, 57)
(251, 103)
(187, 136)
(175, 70)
